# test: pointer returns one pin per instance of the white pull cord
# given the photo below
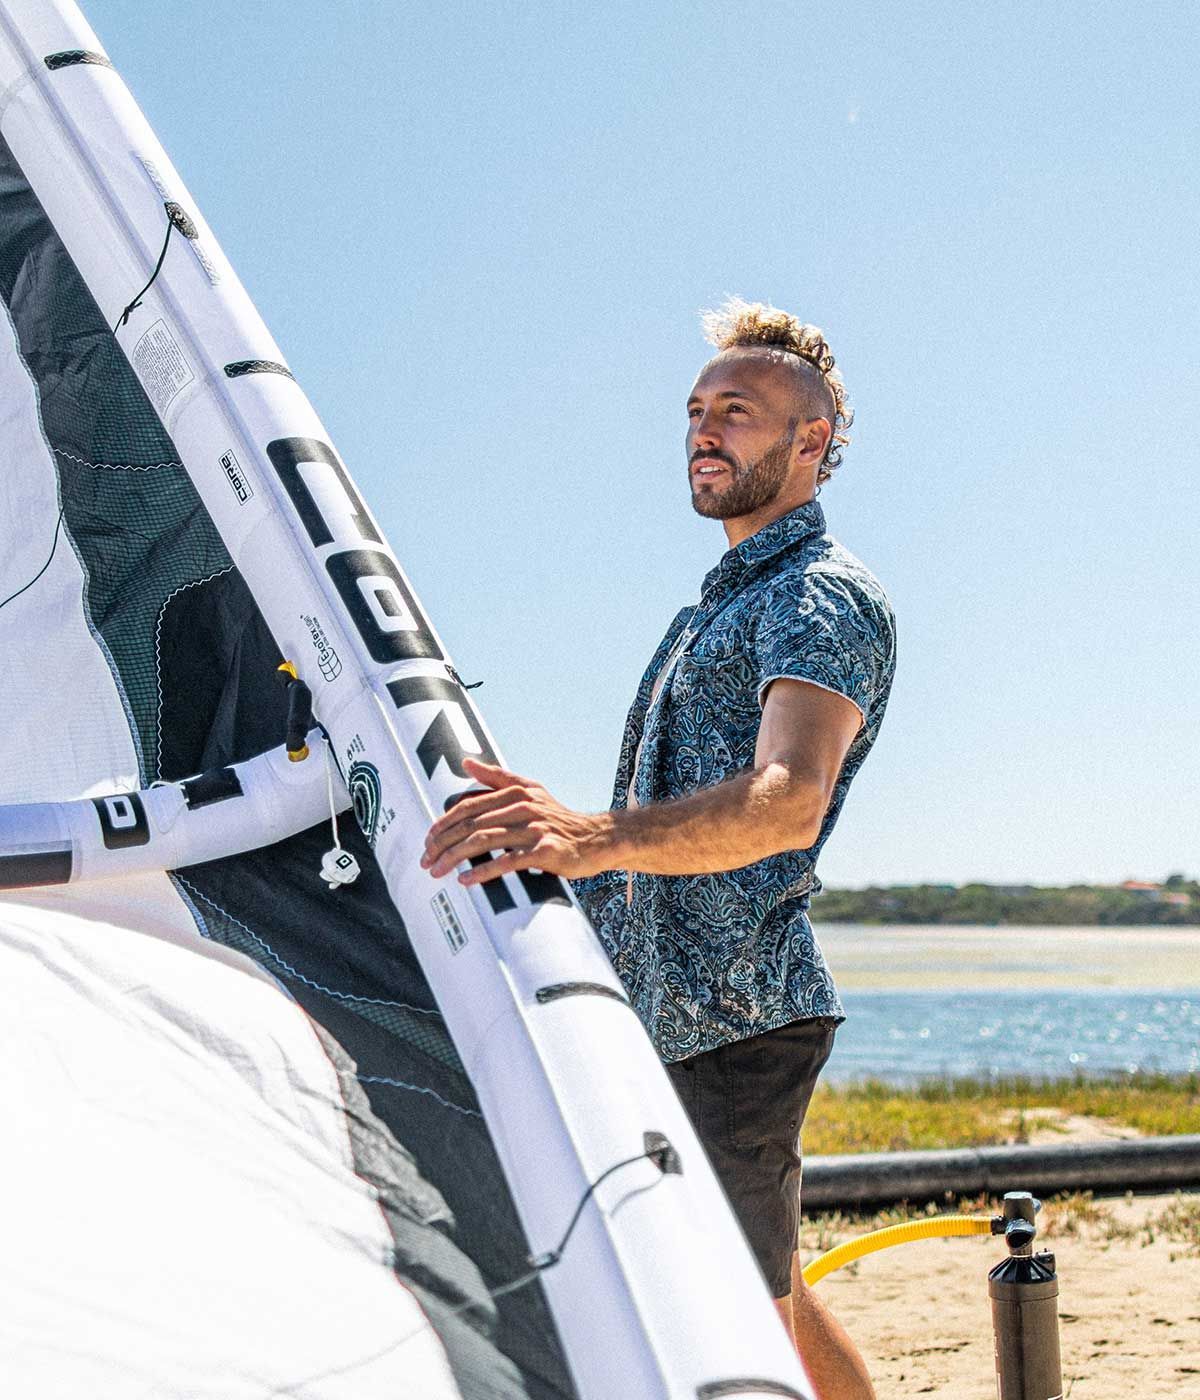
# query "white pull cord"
(338, 866)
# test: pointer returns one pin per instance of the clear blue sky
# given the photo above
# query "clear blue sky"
(481, 235)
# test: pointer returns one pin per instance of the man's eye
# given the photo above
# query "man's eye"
(694, 412)
(736, 408)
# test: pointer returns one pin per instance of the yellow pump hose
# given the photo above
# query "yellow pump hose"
(930, 1228)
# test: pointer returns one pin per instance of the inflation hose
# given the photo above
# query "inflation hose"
(934, 1227)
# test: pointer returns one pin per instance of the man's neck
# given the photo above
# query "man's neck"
(741, 527)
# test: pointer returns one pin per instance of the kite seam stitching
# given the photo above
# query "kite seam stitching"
(114, 466)
(418, 1089)
(295, 972)
(162, 612)
(202, 925)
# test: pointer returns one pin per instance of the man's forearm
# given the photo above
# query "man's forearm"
(517, 825)
(735, 823)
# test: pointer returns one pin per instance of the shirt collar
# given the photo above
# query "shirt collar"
(803, 523)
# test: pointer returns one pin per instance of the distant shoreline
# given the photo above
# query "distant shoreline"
(1173, 903)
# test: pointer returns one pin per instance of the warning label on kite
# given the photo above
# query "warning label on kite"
(455, 934)
(159, 364)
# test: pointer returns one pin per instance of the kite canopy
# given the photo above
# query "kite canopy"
(234, 1089)
(273, 1137)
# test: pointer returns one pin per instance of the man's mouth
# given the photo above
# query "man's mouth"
(705, 468)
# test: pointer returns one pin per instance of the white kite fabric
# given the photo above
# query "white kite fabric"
(187, 1217)
(177, 1161)
(268, 1137)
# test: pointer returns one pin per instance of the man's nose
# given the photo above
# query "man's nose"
(705, 432)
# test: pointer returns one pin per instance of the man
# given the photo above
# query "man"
(756, 711)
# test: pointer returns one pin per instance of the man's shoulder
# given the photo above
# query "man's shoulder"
(826, 567)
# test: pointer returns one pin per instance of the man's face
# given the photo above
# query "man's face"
(742, 421)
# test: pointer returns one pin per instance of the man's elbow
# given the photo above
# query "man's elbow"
(807, 830)
(803, 810)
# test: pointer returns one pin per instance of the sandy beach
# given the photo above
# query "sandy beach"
(895, 957)
(1129, 1307)
(1129, 1267)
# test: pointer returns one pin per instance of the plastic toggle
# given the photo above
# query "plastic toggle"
(338, 867)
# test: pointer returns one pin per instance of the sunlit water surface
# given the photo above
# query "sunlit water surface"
(924, 1002)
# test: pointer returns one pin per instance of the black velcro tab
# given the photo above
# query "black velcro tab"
(68, 58)
(217, 785)
(35, 868)
(576, 989)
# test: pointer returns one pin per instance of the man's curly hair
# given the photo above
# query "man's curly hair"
(741, 323)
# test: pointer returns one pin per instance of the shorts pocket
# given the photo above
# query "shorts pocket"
(771, 1081)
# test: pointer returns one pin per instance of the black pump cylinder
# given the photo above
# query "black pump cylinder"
(1024, 1295)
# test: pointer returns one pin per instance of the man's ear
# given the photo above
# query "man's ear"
(813, 439)
(821, 431)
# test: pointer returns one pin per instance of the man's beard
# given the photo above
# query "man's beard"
(752, 487)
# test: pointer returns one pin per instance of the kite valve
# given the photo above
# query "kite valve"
(299, 716)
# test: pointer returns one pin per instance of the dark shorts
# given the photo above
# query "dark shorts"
(747, 1102)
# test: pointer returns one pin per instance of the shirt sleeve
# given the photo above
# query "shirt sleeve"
(828, 629)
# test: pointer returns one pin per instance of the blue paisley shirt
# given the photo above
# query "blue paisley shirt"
(709, 959)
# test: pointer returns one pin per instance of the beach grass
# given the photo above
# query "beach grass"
(873, 1116)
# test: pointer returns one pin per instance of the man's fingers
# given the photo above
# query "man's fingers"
(468, 808)
(465, 813)
(500, 865)
(479, 843)
(496, 810)
(491, 774)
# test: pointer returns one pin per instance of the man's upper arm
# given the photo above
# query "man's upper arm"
(824, 649)
(808, 728)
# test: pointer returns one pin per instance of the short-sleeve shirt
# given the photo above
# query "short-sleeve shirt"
(710, 959)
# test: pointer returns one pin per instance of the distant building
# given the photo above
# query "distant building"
(1143, 888)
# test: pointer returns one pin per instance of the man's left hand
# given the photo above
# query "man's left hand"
(519, 818)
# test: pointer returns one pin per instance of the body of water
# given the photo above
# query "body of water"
(905, 1036)
(935, 1002)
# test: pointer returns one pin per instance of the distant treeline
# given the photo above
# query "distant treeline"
(1175, 901)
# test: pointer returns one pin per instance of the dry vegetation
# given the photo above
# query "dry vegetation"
(877, 1117)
